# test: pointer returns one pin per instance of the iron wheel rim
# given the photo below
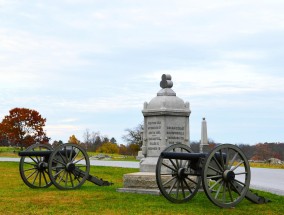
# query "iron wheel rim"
(34, 169)
(173, 185)
(68, 171)
(226, 181)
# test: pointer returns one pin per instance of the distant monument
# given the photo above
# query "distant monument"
(166, 122)
(204, 140)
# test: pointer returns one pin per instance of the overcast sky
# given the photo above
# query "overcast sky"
(86, 64)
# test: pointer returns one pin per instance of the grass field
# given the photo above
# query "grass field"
(13, 152)
(17, 198)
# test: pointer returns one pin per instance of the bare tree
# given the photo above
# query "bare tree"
(87, 139)
(134, 136)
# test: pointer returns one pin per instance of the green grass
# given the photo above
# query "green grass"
(9, 149)
(117, 157)
(6, 151)
(17, 198)
(266, 165)
(13, 152)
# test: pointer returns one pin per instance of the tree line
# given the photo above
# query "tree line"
(259, 151)
(24, 127)
(256, 152)
(95, 142)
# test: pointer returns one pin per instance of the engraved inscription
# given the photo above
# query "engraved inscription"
(154, 131)
(175, 134)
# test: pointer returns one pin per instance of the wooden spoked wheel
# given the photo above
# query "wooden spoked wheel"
(226, 175)
(33, 169)
(176, 180)
(68, 166)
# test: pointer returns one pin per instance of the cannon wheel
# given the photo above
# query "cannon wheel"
(174, 178)
(226, 175)
(68, 166)
(33, 169)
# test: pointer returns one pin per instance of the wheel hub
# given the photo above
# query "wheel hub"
(181, 173)
(70, 167)
(228, 175)
(41, 166)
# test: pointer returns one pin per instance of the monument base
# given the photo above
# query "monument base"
(148, 164)
(140, 182)
(139, 156)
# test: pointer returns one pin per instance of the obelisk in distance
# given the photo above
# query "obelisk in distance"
(204, 139)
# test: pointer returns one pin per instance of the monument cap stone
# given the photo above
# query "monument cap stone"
(166, 81)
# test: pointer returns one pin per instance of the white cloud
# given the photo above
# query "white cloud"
(68, 120)
(6, 2)
(243, 55)
(222, 78)
(30, 60)
(106, 104)
(61, 130)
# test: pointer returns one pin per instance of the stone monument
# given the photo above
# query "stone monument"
(166, 122)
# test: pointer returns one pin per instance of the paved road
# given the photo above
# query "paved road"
(270, 180)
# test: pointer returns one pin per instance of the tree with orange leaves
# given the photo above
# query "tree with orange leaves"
(73, 139)
(24, 127)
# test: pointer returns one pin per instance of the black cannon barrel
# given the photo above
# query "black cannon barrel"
(183, 156)
(47, 153)
(35, 153)
(190, 156)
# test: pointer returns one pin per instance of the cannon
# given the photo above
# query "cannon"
(224, 174)
(66, 167)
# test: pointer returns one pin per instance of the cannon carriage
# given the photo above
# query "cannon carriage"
(224, 174)
(66, 167)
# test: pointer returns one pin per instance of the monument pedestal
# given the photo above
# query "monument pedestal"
(140, 182)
